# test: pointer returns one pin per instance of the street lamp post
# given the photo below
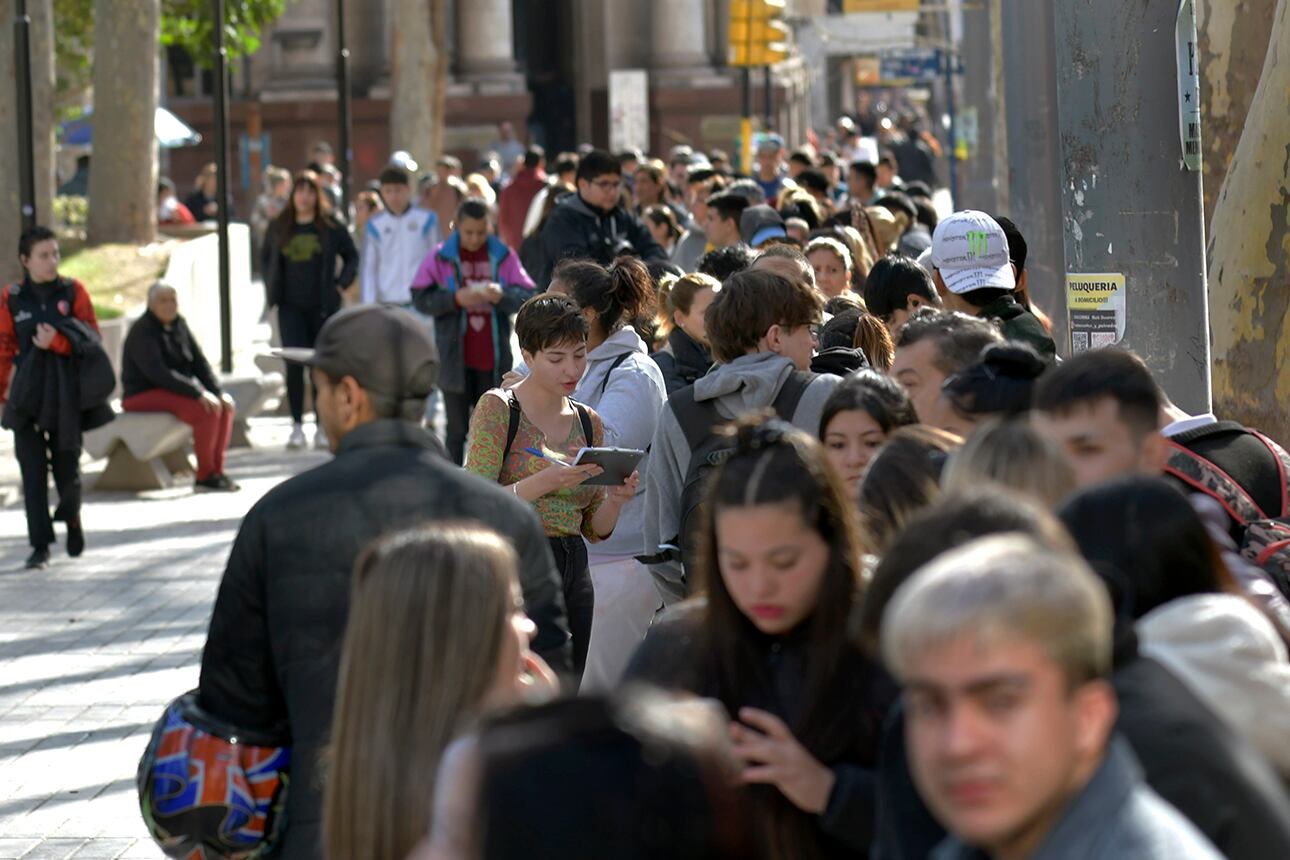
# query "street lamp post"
(22, 78)
(221, 177)
(344, 118)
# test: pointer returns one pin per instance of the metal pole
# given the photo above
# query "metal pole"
(22, 78)
(221, 164)
(950, 59)
(745, 125)
(768, 84)
(1035, 164)
(1131, 206)
(345, 118)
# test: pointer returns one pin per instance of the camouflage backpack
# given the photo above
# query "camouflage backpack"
(1265, 536)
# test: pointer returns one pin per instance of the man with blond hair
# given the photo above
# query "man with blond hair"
(1003, 648)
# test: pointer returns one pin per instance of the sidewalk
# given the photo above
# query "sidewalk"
(92, 649)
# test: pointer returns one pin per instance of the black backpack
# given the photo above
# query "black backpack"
(513, 423)
(698, 421)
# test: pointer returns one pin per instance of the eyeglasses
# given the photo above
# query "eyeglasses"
(608, 184)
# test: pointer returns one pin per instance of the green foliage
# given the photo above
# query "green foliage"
(185, 23)
(71, 211)
(190, 25)
(107, 312)
(73, 48)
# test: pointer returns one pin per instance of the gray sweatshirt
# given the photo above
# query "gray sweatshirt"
(629, 405)
(747, 384)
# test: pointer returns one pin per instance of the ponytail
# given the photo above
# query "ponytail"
(619, 295)
(664, 322)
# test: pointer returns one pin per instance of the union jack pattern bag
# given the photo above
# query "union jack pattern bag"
(208, 790)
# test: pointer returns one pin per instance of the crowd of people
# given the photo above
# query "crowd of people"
(888, 579)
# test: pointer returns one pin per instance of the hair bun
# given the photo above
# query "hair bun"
(758, 431)
(1012, 359)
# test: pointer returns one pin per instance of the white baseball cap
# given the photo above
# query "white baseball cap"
(970, 250)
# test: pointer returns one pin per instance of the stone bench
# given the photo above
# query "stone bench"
(144, 450)
(252, 395)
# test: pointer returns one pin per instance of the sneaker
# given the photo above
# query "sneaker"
(320, 440)
(297, 440)
(75, 538)
(38, 559)
(219, 483)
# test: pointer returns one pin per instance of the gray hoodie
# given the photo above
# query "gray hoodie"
(749, 383)
(629, 404)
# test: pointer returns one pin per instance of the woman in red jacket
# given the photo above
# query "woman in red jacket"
(30, 313)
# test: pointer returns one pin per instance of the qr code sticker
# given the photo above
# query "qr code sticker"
(1079, 341)
(1103, 338)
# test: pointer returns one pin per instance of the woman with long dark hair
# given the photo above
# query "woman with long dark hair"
(309, 259)
(773, 642)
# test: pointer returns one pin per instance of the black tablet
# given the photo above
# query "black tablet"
(618, 463)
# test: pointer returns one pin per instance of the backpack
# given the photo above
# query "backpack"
(513, 423)
(1265, 536)
(708, 450)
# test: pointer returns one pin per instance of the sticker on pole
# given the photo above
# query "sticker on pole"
(1188, 85)
(1095, 308)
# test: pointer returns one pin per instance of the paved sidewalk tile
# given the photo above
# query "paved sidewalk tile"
(92, 649)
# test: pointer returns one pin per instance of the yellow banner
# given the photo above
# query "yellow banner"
(881, 5)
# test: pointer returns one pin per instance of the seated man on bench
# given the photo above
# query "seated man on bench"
(164, 370)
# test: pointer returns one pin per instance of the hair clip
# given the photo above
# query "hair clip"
(766, 435)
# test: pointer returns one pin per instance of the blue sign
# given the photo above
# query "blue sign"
(916, 64)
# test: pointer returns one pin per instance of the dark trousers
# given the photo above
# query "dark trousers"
(458, 408)
(579, 595)
(37, 452)
(299, 328)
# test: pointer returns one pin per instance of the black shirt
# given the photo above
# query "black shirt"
(302, 259)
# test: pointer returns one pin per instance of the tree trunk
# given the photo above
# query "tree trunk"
(418, 79)
(1249, 255)
(1233, 43)
(123, 168)
(42, 108)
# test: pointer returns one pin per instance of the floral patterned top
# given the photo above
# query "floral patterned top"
(564, 512)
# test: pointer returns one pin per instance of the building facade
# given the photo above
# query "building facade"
(544, 65)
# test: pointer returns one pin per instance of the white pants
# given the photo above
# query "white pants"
(626, 601)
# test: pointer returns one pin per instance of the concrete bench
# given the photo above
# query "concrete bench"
(145, 451)
(252, 395)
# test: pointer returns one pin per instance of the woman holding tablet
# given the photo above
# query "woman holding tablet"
(527, 437)
(626, 388)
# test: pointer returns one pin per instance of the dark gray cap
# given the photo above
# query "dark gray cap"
(388, 350)
(759, 223)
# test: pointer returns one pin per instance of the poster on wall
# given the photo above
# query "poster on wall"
(629, 110)
(1095, 308)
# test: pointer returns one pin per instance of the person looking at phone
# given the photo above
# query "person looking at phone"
(470, 284)
(781, 548)
(539, 414)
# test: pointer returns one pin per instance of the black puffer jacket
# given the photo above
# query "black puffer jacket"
(683, 361)
(273, 652)
(576, 230)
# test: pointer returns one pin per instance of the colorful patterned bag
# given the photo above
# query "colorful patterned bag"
(208, 790)
(1265, 538)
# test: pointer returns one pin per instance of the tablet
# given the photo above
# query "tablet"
(618, 463)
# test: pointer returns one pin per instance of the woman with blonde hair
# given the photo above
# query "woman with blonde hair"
(1011, 454)
(437, 637)
(831, 261)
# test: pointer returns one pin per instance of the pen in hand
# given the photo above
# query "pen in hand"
(536, 453)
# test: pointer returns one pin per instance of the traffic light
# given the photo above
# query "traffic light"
(880, 5)
(758, 36)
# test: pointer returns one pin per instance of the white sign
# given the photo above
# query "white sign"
(629, 110)
(1188, 85)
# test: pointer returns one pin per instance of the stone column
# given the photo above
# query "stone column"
(485, 42)
(680, 29)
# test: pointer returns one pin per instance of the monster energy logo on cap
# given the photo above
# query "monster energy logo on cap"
(970, 252)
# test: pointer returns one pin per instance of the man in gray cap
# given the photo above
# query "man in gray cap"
(272, 654)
